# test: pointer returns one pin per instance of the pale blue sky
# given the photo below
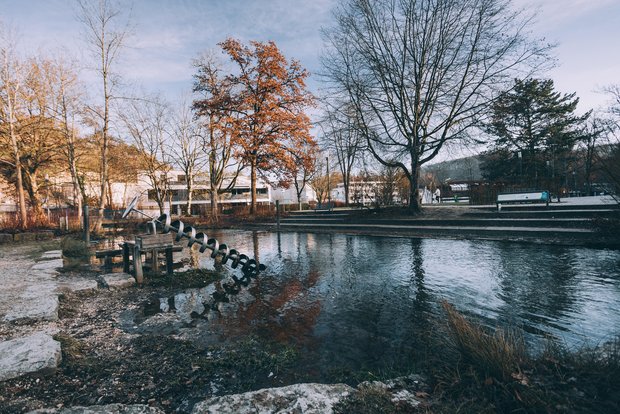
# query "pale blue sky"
(168, 34)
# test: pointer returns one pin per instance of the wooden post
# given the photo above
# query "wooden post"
(169, 260)
(86, 225)
(137, 264)
(125, 257)
(155, 261)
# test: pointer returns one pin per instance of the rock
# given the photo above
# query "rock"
(44, 235)
(34, 305)
(118, 280)
(47, 266)
(24, 237)
(52, 254)
(79, 285)
(401, 390)
(102, 409)
(38, 353)
(6, 238)
(298, 398)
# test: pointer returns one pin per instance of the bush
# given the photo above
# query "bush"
(74, 248)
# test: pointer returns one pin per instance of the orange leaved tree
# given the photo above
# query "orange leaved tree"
(269, 100)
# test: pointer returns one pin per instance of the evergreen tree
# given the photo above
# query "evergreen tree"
(535, 128)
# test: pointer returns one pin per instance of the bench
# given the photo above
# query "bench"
(520, 198)
(153, 244)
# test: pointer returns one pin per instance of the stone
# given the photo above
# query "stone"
(24, 237)
(40, 307)
(52, 254)
(47, 265)
(38, 353)
(298, 398)
(102, 409)
(6, 238)
(119, 280)
(44, 235)
(78, 285)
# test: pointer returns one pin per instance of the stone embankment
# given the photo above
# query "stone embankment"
(559, 223)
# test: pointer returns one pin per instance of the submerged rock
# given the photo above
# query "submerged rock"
(38, 353)
(102, 409)
(298, 398)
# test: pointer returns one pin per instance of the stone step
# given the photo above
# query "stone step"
(471, 222)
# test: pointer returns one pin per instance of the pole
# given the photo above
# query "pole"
(278, 214)
(86, 225)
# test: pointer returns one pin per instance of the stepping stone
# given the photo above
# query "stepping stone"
(102, 409)
(52, 254)
(47, 265)
(38, 353)
(34, 305)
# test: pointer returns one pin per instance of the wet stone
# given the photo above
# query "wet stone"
(38, 353)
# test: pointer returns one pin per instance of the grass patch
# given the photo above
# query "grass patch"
(479, 370)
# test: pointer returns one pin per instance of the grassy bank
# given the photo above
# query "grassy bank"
(482, 371)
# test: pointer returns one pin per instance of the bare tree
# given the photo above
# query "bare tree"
(10, 83)
(186, 148)
(343, 138)
(213, 106)
(420, 73)
(146, 122)
(105, 34)
(66, 107)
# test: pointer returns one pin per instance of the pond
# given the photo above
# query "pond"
(358, 302)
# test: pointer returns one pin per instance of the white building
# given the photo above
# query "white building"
(239, 194)
(289, 195)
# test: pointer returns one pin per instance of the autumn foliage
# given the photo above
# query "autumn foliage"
(266, 102)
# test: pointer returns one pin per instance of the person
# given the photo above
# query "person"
(437, 194)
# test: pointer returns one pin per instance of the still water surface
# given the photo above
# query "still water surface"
(360, 302)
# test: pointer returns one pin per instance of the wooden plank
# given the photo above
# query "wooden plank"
(154, 240)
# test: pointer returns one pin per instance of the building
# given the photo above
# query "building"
(238, 195)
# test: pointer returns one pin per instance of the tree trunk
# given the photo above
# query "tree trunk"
(414, 198)
(190, 193)
(253, 186)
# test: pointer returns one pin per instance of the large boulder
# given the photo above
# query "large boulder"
(38, 353)
(102, 409)
(298, 398)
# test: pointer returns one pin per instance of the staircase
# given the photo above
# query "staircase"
(563, 224)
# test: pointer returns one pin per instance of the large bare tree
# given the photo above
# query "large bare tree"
(147, 123)
(11, 81)
(105, 32)
(420, 73)
(186, 147)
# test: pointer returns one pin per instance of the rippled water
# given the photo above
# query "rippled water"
(358, 301)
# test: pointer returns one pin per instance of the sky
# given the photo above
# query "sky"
(168, 34)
